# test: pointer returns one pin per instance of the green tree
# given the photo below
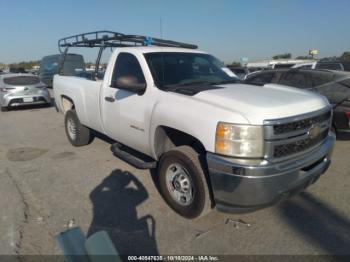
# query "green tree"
(282, 56)
(303, 57)
(235, 64)
(26, 65)
(329, 59)
(345, 56)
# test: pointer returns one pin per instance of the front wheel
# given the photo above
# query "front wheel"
(183, 182)
(77, 134)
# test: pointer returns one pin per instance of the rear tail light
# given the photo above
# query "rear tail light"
(5, 89)
(347, 114)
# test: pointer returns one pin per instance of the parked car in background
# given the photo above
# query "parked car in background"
(281, 65)
(22, 89)
(335, 85)
(17, 70)
(320, 65)
(240, 72)
(338, 93)
(74, 65)
(34, 72)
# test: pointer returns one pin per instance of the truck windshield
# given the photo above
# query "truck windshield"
(173, 69)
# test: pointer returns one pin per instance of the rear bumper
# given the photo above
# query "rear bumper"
(243, 187)
(12, 100)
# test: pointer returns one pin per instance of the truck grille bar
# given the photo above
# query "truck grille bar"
(289, 137)
(301, 124)
(298, 146)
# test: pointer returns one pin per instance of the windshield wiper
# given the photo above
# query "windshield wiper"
(167, 87)
(200, 82)
(232, 81)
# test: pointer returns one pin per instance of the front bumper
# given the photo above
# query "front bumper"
(12, 100)
(242, 185)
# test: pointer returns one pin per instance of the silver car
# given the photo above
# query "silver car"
(22, 89)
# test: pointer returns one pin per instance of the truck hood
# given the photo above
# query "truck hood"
(259, 103)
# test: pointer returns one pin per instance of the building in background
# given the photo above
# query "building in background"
(279, 63)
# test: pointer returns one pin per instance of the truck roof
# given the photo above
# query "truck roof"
(151, 49)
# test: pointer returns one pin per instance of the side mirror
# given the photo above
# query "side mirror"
(129, 83)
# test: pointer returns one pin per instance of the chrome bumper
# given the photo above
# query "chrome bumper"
(243, 185)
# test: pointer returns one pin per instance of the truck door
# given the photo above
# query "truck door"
(124, 112)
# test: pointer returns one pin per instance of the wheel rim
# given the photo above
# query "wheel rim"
(179, 184)
(72, 129)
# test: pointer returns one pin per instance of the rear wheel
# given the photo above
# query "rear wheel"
(77, 134)
(183, 183)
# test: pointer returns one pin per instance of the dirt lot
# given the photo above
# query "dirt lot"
(45, 182)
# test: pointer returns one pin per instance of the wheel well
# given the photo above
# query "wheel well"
(67, 104)
(167, 138)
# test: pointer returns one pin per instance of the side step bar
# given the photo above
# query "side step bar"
(119, 152)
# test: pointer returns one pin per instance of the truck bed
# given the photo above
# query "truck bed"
(86, 96)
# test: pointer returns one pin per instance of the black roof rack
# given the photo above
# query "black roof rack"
(114, 39)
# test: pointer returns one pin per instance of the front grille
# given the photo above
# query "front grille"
(298, 146)
(300, 124)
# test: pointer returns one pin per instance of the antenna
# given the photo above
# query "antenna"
(161, 28)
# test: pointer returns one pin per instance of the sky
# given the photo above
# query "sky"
(228, 29)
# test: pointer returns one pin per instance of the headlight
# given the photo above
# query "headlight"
(239, 140)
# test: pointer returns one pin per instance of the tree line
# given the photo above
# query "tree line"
(26, 65)
(345, 57)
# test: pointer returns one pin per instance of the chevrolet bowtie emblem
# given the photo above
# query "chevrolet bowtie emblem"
(314, 131)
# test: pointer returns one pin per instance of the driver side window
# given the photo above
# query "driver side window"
(127, 66)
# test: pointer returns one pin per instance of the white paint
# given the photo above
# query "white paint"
(228, 72)
(196, 115)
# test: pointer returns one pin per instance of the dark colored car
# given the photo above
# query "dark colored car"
(335, 85)
(74, 65)
(241, 72)
(17, 70)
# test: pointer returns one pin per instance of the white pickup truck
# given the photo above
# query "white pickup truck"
(213, 141)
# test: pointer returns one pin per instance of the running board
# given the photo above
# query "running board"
(119, 152)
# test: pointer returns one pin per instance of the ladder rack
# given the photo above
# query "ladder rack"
(115, 39)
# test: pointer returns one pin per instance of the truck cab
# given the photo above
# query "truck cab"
(213, 141)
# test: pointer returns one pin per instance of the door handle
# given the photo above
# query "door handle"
(109, 99)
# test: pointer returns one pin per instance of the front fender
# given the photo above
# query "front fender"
(190, 116)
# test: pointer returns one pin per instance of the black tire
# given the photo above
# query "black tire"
(187, 157)
(82, 133)
(4, 109)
